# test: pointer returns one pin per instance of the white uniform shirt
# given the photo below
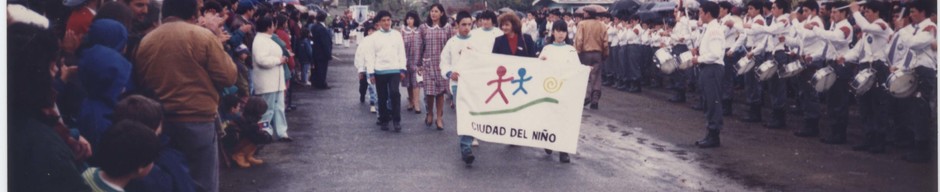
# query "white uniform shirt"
(839, 36)
(899, 46)
(731, 34)
(924, 35)
(711, 49)
(613, 35)
(683, 31)
(634, 37)
(752, 38)
(813, 45)
(870, 47)
(778, 27)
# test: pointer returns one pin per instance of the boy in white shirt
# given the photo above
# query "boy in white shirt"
(386, 68)
(456, 45)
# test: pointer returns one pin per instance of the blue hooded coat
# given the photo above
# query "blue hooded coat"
(105, 74)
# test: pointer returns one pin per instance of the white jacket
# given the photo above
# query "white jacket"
(268, 71)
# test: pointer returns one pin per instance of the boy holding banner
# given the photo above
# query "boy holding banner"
(449, 57)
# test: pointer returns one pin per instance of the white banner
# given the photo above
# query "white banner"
(520, 101)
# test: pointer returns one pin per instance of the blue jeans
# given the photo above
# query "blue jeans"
(465, 145)
(275, 114)
(198, 143)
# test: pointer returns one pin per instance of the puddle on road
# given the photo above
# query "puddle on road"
(610, 145)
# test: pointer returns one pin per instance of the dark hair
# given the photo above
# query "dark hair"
(768, 5)
(883, 9)
(184, 9)
(591, 14)
(211, 5)
(414, 16)
(783, 5)
(811, 5)
(264, 23)
(726, 5)
(321, 16)
(558, 26)
(490, 15)
(757, 4)
(710, 8)
(141, 109)
(382, 14)
(440, 23)
(254, 109)
(846, 11)
(29, 79)
(244, 8)
(126, 147)
(116, 11)
(280, 20)
(926, 6)
(513, 20)
(555, 12)
(462, 15)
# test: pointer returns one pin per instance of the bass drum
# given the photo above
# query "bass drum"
(685, 60)
(791, 69)
(863, 81)
(823, 79)
(665, 61)
(766, 70)
(902, 83)
(744, 65)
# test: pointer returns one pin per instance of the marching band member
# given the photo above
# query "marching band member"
(754, 43)
(730, 58)
(709, 58)
(776, 32)
(634, 49)
(837, 40)
(873, 104)
(613, 63)
(681, 37)
(918, 37)
(811, 49)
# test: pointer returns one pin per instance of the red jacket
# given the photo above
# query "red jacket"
(285, 37)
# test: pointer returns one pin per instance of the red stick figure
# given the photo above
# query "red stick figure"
(499, 84)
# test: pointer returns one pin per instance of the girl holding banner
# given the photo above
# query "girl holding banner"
(560, 52)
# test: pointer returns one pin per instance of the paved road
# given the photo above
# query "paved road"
(635, 142)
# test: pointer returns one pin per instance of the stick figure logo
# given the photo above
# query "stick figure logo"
(500, 72)
(522, 79)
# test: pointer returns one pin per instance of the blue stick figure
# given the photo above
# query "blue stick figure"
(521, 80)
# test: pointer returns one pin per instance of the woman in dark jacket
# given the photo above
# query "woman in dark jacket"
(39, 159)
(513, 42)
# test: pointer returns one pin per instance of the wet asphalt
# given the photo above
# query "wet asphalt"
(634, 142)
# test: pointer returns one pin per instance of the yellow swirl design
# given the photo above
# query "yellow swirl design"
(552, 85)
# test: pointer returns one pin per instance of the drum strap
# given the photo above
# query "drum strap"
(894, 45)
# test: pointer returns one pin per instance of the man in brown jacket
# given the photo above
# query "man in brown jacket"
(185, 66)
(591, 43)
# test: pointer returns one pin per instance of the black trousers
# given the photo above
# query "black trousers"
(729, 74)
(915, 111)
(680, 77)
(363, 86)
(875, 103)
(710, 77)
(838, 98)
(753, 89)
(386, 87)
(318, 79)
(810, 99)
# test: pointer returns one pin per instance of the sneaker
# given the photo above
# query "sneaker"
(372, 109)
(475, 143)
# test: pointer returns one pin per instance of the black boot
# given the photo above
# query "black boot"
(866, 144)
(836, 137)
(594, 100)
(810, 128)
(779, 119)
(620, 84)
(878, 144)
(753, 114)
(711, 140)
(563, 157)
(726, 107)
(608, 80)
(679, 97)
(635, 87)
(920, 153)
(699, 105)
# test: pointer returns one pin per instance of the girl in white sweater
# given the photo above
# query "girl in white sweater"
(562, 53)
